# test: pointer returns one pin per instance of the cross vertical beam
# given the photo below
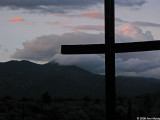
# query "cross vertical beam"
(110, 60)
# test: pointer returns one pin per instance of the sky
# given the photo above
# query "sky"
(35, 30)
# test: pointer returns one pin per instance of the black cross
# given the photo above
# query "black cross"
(109, 49)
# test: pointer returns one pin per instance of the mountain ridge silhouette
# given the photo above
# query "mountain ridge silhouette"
(24, 78)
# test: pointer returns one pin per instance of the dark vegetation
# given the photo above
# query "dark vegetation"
(48, 108)
(30, 91)
(147, 105)
(137, 97)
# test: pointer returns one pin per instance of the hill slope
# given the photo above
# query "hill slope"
(24, 78)
(134, 86)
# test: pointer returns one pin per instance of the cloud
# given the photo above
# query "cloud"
(22, 20)
(90, 15)
(42, 48)
(56, 22)
(133, 64)
(130, 3)
(30, 23)
(56, 6)
(93, 15)
(59, 15)
(86, 27)
(34, 3)
(136, 65)
(47, 48)
(66, 21)
(93, 63)
(60, 22)
(119, 21)
(131, 33)
(145, 24)
(15, 19)
(60, 6)
(154, 73)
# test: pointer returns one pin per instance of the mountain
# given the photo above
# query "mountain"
(24, 78)
(134, 86)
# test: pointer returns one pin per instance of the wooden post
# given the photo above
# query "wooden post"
(110, 60)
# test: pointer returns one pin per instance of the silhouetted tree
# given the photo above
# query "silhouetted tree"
(129, 114)
(7, 98)
(97, 101)
(46, 98)
(141, 107)
(147, 105)
(58, 99)
(25, 99)
(86, 99)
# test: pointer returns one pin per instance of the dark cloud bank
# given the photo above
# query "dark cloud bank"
(53, 6)
(119, 21)
(130, 2)
(30, 3)
(61, 6)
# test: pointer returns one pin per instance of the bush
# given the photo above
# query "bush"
(46, 98)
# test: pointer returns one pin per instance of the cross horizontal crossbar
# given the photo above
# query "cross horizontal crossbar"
(83, 49)
(137, 46)
(118, 48)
